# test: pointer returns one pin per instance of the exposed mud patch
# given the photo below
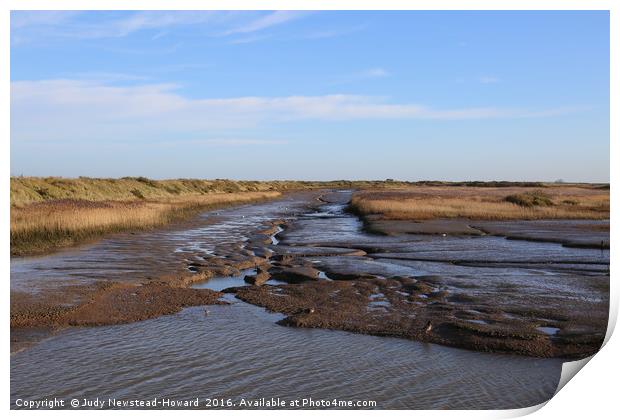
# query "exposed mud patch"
(412, 308)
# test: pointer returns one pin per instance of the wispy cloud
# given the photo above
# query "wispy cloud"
(333, 33)
(488, 79)
(21, 19)
(272, 19)
(60, 24)
(109, 77)
(112, 25)
(160, 34)
(80, 109)
(250, 39)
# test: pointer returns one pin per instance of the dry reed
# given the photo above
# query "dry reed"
(422, 203)
(41, 227)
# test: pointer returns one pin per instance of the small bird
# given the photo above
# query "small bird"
(428, 327)
(306, 311)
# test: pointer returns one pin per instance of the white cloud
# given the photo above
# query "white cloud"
(45, 25)
(88, 110)
(154, 19)
(22, 18)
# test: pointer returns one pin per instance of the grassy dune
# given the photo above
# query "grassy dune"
(554, 201)
(26, 190)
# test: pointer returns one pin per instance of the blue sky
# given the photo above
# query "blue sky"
(311, 95)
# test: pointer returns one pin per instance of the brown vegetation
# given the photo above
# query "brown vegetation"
(490, 203)
(44, 226)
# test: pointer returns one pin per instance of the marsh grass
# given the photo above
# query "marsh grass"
(512, 203)
(44, 226)
(25, 190)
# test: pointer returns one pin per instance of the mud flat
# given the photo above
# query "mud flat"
(133, 277)
(419, 310)
(574, 233)
(321, 276)
(443, 281)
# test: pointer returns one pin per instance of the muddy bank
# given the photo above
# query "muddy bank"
(571, 233)
(110, 303)
(380, 226)
(464, 289)
(239, 350)
(418, 309)
(45, 307)
(574, 233)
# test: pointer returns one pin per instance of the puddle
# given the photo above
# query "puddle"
(221, 283)
(477, 321)
(548, 330)
(274, 239)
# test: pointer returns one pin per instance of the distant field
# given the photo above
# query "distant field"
(423, 202)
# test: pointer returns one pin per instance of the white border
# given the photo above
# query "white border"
(592, 394)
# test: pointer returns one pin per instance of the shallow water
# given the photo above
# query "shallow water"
(237, 351)
(144, 255)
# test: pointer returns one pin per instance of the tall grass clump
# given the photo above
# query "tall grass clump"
(530, 199)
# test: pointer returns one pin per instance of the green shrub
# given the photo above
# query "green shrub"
(530, 199)
(137, 193)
